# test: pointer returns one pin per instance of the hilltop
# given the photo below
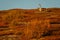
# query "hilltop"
(30, 24)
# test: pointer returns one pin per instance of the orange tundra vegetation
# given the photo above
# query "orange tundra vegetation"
(30, 24)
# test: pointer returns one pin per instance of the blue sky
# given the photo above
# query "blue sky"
(28, 4)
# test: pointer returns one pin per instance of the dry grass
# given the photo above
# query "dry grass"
(30, 24)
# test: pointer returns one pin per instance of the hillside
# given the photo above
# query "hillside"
(30, 24)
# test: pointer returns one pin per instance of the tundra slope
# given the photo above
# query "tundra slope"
(30, 24)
